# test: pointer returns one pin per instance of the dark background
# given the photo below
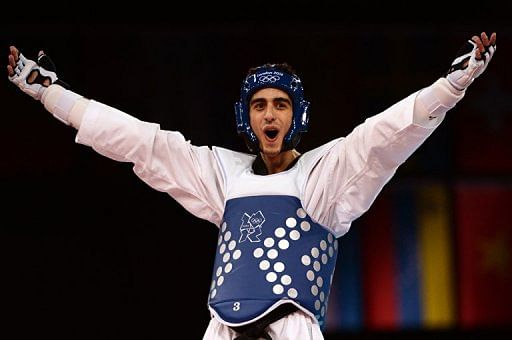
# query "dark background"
(89, 251)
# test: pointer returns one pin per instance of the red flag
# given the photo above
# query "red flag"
(484, 224)
(379, 267)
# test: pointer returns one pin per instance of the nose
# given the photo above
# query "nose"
(269, 114)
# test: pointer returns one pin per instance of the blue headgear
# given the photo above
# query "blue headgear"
(272, 76)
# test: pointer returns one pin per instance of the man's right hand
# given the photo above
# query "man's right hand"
(28, 75)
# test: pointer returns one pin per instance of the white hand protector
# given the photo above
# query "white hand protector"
(466, 67)
(24, 70)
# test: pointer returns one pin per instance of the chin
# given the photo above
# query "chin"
(271, 151)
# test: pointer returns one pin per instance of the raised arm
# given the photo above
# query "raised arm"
(163, 159)
(352, 174)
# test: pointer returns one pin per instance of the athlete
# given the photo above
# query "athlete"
(279, 212)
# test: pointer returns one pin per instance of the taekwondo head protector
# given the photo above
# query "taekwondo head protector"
(276, 76)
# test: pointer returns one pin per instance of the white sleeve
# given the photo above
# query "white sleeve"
(433, 102)
(346, 181)
(162, 159)
(65, 105)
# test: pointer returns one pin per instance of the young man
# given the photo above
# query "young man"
(279, 213)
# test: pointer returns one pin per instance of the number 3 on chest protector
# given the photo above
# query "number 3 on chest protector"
(236, 306)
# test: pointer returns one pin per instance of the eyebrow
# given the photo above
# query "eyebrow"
(276, 99)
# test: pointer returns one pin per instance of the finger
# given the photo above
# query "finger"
(12, 63)
(15, 52)
(484, 38)
(478, 54)
(10, 71)
(492, 40)
(478, 42)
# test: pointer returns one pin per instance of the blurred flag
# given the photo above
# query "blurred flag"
(484, 233)
(395, 269)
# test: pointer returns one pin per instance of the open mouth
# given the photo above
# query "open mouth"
(271, 133)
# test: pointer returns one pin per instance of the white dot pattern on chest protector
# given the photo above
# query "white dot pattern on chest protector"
(315, 252)
(227, 235)
(317, 256)
(232, 245)
(278, 289)
(229, 254)
(272, 254)
(269, 242)
(323, 245)
(305, 226)
(279, 267)
(283, 244)
(294, 235)
(275, 252)
(286, 280)
(291, 222)
(319, 252)
(264, 265)
(258, 252)
(306, 260)
(228, 267)
(271, 277)
(292, 292)
(280, 232)
(222, 248)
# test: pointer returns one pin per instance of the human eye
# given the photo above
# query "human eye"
(258, 106)
(282, 104)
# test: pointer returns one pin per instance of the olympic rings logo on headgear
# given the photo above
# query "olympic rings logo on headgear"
(268, 78)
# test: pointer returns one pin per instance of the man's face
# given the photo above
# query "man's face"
(270, 112)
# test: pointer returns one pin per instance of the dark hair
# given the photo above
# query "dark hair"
(282, 66)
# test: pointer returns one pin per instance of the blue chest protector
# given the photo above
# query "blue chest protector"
(269, 251)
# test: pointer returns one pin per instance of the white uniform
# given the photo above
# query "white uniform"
(340, 187)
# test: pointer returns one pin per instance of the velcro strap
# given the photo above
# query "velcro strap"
(64, 105)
